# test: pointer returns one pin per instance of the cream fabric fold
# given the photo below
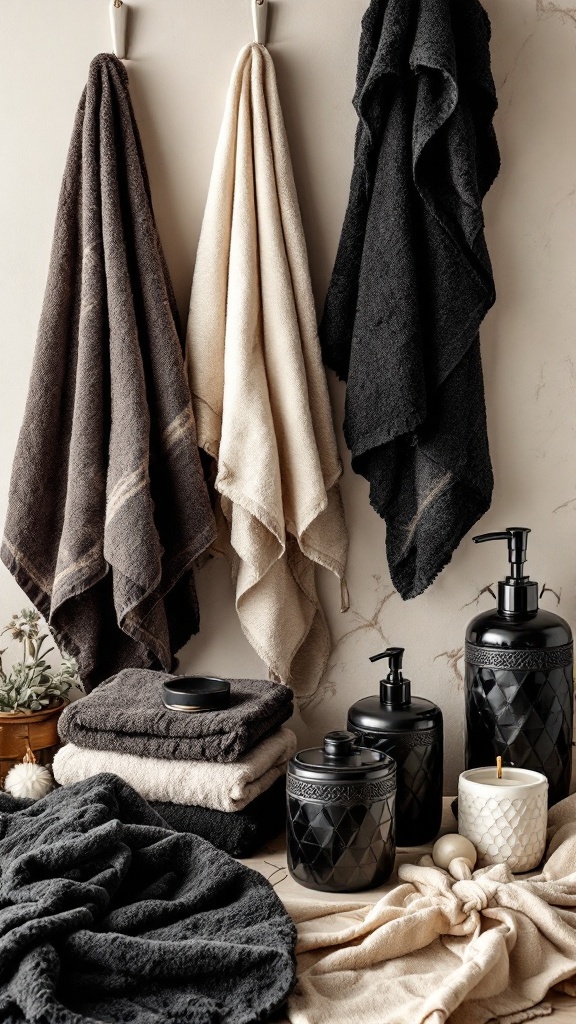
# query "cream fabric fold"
(435, 949)
(259, 387)
(220, 787)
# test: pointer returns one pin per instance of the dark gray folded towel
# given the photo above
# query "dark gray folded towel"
(127, 714)
(240, 833)
(107, 915)
(412, 280)
(108, 508)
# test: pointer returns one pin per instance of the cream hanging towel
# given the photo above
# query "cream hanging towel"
(259, 388)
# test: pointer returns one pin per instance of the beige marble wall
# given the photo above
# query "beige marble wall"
(182, 53)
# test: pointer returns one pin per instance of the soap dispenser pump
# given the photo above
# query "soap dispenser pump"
(409, 729)
(519, 678)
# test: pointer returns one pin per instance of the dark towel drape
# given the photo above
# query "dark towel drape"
(412, 280)
(108, 507)
(108, 915)
(239, 833)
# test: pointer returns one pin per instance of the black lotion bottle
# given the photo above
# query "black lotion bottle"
(519, 678)
(409, 729)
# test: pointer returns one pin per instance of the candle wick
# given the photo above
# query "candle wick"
(498, 767)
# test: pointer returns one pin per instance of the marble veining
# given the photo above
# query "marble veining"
(359, 624)
(488, 589)
(453, 658)
(546, 8)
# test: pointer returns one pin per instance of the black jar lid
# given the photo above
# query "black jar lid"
(196, 693)
(341, 760)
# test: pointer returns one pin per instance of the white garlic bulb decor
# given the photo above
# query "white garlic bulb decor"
(28, 781)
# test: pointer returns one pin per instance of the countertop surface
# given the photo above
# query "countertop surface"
(271, 862)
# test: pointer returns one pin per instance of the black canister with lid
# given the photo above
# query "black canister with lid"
(409, 729)
(341, 816)
(519, 678)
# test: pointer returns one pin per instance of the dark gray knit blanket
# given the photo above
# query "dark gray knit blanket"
(108, 508)
(127, 714)
(412, 280)
(106, 915)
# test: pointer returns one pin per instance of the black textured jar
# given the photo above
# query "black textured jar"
(409, 729)
(341, 816)
(519, 679)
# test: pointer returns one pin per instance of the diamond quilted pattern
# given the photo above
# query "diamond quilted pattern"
(526, 717)
(340, 847)
(419, 783)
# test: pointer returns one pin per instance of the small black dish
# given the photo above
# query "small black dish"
(196, 693)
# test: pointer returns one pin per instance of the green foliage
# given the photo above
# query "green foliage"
(31, 684)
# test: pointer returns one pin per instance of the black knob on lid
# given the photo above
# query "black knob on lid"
(339, 743)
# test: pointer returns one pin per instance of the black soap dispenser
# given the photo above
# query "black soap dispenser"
(519, 678)
(411, 731)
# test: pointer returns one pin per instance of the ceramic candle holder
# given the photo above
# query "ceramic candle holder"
(505, 818)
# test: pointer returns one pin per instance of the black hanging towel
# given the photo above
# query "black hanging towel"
(412, 280)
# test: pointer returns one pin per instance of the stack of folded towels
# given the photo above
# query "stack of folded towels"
(219, 774)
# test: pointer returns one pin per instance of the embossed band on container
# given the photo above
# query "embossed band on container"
(329, 792)
(527, 660)
(399, 740)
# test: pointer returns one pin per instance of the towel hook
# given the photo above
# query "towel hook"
(260, 18)
(118, 20)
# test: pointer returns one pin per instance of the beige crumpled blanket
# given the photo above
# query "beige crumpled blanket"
(435, 949)
(259, 388)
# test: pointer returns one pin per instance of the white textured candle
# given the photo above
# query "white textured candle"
(505, 818)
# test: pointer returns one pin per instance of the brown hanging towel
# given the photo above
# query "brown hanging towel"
(108, 508)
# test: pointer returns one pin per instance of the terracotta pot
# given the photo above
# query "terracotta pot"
(36, 731)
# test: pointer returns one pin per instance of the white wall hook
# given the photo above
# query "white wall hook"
(118, 21)
(260, 18)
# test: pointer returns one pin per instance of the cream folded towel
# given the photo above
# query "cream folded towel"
(436, 949)
(221, 787)
(259, 388)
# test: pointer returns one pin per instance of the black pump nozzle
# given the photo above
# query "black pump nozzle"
(517, 594)
(394, 655)
(394, 689)
(517, 537)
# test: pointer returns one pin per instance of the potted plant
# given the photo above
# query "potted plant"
(32, 695)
